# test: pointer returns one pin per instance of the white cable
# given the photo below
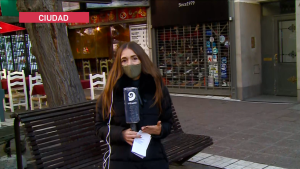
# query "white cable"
(108, 137)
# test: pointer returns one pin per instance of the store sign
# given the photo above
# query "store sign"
(85, 1)
(186, 4)
(5, 28)
(53, 17)
(114, 15)
(138, 34)
(184, 12)
(132, 13)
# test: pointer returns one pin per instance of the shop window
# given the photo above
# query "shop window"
(15, 53)
(195, 57)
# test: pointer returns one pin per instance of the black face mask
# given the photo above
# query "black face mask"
(132, 71)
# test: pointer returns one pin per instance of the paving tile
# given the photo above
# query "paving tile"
(210, 160)
(252, 146)
(222, 161)
(203, 155)
(294, 137)
(228, 128)
(248, 123)
(262, 158)
(236, 153)
(289, 129)
(226, 163)
(195, 159)
(243, 163)
(227, 142)
(233, 166)
(215, 150)
(277, 134)
(241, 137)
(295, 154)
(278, 150)
(213, 133)
(273, 167)
(257, 166)
(264, 140)
(199, 156)
(268, 127)
(287, 162)
(289, 143)
(254, 131)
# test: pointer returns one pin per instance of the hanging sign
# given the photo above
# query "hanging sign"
(5, 27)
(138, 34)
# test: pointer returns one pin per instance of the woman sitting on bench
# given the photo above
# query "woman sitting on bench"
(133, 68)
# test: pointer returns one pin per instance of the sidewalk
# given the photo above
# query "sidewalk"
(245, 132)
(262, 133)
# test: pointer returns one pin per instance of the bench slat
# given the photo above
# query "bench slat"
(83, 149)
(55, 114)
(68, 159)
(46, 121)
(63, 108)
(65, 146)
(59, 129)
(62, 138)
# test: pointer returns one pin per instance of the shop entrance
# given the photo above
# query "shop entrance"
(279, 55)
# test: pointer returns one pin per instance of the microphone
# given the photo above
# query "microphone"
(132, 106)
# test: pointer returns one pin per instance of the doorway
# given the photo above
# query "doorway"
(279, 55)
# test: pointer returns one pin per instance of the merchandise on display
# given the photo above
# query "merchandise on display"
(190, 57)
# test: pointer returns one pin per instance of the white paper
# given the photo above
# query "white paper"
(139, 34)
(140, 145)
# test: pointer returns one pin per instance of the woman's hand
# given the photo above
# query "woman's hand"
(130, 135)
(155, 129)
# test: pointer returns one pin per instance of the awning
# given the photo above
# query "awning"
(5, 27)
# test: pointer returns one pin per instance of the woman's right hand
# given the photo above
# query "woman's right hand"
(130, 135)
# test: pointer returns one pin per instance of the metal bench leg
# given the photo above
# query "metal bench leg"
(18, 143)
(180, 162)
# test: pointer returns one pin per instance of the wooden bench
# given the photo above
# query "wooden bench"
(64, 137)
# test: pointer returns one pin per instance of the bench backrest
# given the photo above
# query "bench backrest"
(64, 137)
(176, 127)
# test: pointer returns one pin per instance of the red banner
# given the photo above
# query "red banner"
(5, 27)
(53, 17)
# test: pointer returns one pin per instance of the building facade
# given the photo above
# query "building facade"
(265, 48)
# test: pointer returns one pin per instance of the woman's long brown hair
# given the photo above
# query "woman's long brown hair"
(116, 73)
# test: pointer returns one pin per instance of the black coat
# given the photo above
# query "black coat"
(121, 155)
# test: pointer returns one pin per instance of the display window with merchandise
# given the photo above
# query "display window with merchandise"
(96, 43)
(194, 56)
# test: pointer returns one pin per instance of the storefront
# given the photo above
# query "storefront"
(193, 45)
(96, 42)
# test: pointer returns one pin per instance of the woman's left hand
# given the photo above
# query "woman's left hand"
(155, 129)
